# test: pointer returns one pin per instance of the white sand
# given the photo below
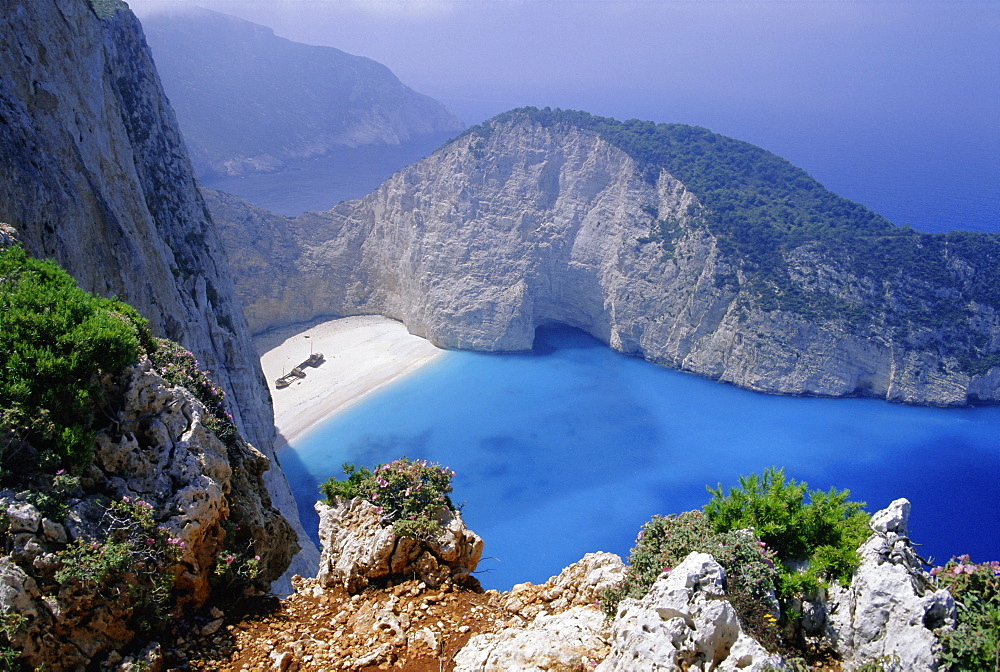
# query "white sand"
(362, 354)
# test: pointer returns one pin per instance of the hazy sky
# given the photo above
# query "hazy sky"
(850, 76)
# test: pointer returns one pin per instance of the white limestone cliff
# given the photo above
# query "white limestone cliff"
(524, 225)
(892, 607)
(95, 176)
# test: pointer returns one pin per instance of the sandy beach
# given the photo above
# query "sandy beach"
(361, 354)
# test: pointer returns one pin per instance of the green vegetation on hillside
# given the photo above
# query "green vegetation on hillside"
(55, 342)
(821, 528)
(771, 537)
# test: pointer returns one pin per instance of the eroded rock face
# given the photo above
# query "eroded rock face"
(523, 225)
(891, 607)
(96, 177)
(684, 622)
(579, 585)
(358, 549)
(158, 454)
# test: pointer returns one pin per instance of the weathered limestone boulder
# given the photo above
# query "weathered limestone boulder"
(358, 548)
(684, 622)
(159, 458)
(161, 451)
(579, 585)
(891, 607)
(570, 640)
(566, 631)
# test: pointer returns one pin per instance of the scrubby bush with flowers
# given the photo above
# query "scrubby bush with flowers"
(134, 559)
(236, 563)
(974, 644)
(178, 366)
(408, 493)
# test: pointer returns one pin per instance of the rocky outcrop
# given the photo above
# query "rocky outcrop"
(891, 608)
(358, 549)
(570, 640)
(296, 100)
(684, 622)
(522, 224)
(557, 625)
(91, 567)
(95, 175)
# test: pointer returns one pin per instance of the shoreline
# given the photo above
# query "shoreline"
(362, 354)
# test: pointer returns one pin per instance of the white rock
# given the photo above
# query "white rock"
(684, 622)
(891, 607)
(570, 640)
(23, 517)
(357, 548)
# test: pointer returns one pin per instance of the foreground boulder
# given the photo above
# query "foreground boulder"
(684, 622)
(565, 630)
(891, 608)
(358, 549)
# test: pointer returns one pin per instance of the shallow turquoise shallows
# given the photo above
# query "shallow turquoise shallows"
(571, 448)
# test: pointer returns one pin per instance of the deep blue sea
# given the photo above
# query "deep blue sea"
(569, 449)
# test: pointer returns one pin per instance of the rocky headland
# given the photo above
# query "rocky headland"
(738, 267)
(887, 616)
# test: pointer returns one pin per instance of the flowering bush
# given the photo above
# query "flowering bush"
(236, 564)
(134, 560)
(407, 492)
(974, 644)
(178, 366)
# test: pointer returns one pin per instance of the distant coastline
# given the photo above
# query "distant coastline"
(362, 354)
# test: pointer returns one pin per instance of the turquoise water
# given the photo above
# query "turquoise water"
(569, 449)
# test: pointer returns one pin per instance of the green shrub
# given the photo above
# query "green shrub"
(826, 530)
(974, 644)
(407, 492)
(55, 342)
(664, 542)
(105, 9)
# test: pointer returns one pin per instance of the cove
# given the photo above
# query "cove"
(569, 449)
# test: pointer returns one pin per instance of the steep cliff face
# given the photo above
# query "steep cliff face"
(295, 100)
(95, 175)
(522, 223)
